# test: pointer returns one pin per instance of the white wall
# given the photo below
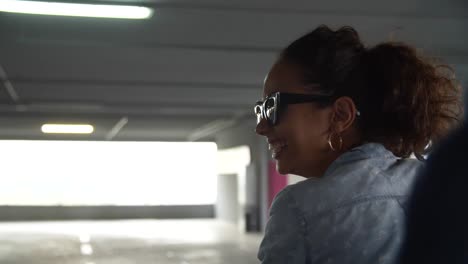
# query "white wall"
(71, 173)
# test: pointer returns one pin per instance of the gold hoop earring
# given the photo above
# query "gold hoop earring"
(331, 144)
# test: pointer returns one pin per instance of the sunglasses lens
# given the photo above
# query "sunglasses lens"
(270, 103)
(266, 109)
(270, 110)
(258, 112)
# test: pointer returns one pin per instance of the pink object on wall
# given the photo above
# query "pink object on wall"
(276, 182)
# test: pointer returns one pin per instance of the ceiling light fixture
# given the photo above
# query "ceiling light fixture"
(67, 129)
(74, 9)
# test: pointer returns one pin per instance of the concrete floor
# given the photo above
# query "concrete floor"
(126, 241)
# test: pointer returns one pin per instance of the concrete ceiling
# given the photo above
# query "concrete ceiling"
(194, 67)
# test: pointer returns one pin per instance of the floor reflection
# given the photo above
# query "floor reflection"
(126, 241)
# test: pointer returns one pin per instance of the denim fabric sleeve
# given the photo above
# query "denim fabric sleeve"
(284, 240)
(366, 232)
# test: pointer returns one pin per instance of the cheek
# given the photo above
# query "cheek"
(310, 132)
(301, 125)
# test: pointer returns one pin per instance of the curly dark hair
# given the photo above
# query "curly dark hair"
(406, 101)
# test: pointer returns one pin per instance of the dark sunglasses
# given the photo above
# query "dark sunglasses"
(271, 107)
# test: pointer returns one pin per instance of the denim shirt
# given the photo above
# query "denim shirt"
(355, 213)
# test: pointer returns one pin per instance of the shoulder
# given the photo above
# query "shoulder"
(364, 179)
(284, 199)
(284, 237)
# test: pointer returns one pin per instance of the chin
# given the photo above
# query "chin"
(282, 168)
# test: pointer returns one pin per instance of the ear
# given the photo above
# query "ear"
(344, 114)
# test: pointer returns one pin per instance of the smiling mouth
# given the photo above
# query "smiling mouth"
(276, 150)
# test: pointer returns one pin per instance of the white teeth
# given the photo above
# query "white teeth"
(276, 149)
(274, 155)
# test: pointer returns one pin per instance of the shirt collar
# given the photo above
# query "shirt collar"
(365, 151)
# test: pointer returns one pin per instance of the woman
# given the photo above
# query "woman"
(348, 118)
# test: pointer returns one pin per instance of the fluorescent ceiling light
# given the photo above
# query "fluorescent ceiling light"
(72, 9)
(67, 129)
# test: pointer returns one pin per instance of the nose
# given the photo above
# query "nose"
(262, 127)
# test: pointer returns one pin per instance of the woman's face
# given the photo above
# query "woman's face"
(298, 141)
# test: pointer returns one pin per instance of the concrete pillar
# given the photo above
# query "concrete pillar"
(253, 182)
